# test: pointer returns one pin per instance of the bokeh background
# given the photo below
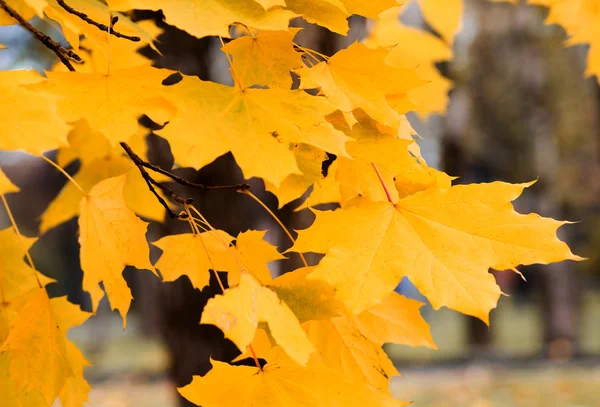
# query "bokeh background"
(520, 109)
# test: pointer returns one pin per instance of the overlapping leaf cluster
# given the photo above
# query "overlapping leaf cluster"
(320, 328)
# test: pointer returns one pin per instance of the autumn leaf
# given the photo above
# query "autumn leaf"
(110, 103)
(264, 59)
(20, 6)
(349, 87)
(308, 299)
(239, 310)
(254, 254)
(256, 125)
(282, 383)
(202, 18)
(395, 320)
(415, 49)
(37, 350)
(29, 119)
(342, 347)
(444, 16)
(99, 161)
(16, 277)
(193, 255)
(111, 237)
(443, 240)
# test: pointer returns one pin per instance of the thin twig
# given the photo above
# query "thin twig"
(179, 180)
(100, 26)
(61, 52)
(151, 182)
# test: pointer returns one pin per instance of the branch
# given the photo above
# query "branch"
(181, 181)
(100, 26)
(61, 52)
(151, 182)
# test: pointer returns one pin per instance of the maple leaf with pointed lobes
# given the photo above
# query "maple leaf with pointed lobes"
(282, 383)
(29, 119)
(111, 237)
(310, 160)
(443, 240)
(99, 161)
(240, 309)
(256, 125)
(397, 320)
(444, 16)
(308, 299)
(20, 6)
(348, 87)
(110, 103)
(202, 18)
(264, 59)
(37, 350)
(342, 347)
(195, 255)
(412, 48)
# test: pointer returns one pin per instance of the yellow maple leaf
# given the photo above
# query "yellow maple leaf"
(435, 238)
(331, 14)
(75, 391)
(256, 125)
(370, 9)
(202, 18)
(29, 119)
(37, 350)
(6, 186)
(16, 277)
(309, 160)
(395, 320)
(265, 58)
(444, 16)
(349, 87)
(99, 161)
(253, 253)
(85, 144)
(415, 49)
(308, 299)
(342, 347)
(66, 205)
(240, 309)
(282, 383)
(110, 103)
(23, 9)
(111, 237)
(193, 255)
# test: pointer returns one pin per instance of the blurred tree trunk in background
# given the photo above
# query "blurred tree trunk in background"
(522, 110)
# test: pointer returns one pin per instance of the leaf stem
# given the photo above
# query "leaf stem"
(14, 224)
(387, 192)
(66, 174)
(61, 52)
(266, 208)
(187, 208)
